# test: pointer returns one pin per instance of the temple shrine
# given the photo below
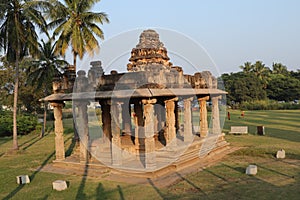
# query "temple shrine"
(145, 120)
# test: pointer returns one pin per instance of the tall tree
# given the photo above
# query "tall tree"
(279, 68)
(43, 69)
(76, 26)
(247, 67)
(18, 38)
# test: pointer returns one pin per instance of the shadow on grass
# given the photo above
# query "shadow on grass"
(121, 192)
(71, 147)
(5, 140)
(32, 176)
(216, 175)
(156, 189)
(283, 134)
(191, 183)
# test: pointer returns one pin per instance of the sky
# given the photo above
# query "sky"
(231, 32)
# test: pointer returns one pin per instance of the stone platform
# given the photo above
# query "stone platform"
(189, 161)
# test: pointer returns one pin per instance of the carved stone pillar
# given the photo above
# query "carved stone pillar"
(126, 118)
(203, 116)
(116, 112)
(58, 128)
(150, 155)
(176, 115)
(83, 130)
(216, 129)
(170, 134)
(139, 127)
(188, 133)
(106, 120)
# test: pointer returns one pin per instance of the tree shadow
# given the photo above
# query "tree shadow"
(32, 176)
(100, 192)
(121, 192)
(216, 175)
(30, 140)
(156, 189)
(191, 183)
(71, 147)
(33, 142)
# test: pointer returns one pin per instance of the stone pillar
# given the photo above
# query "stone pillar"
(106, 120)
(126, 118)
(203, 116)
(83, 130)
(216, 129)
(139, 127)
(150, 155)
(188, 133)
(176, 116)
(116, 112)
(58, 128)
(170, 134)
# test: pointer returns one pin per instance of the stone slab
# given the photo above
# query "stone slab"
(23, 179)
(251, 170)
(59, 185)
(280, 154)
(238, 130)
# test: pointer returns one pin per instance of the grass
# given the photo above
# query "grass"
(276, 179)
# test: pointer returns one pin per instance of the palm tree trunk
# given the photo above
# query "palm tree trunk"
(74, 60)
(16, 88)
(44, 120)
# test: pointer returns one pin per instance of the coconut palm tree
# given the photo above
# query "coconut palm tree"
(247, 67)
(42, 70)
(279, 68)
(76, 26)
(18, 38)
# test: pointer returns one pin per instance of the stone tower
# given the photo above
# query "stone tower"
(149, 54)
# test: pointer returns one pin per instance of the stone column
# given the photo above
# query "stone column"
(126, 118)
(216, 129)
(83, 130)
(139, 127)
(106, 120)
(203, 116)
(188, 133)
(170, 134)
(176, 115)
(116, 112)
(150, 155)
(58, 128)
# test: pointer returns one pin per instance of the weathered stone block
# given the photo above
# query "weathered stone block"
(23, 179)
(238, 130)
(59, 185)
(251, 170)
(280, 154)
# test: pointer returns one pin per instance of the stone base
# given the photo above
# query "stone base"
(59, 185)
(23, 179)
(251, 170)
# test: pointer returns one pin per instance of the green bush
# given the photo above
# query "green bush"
(25, 123)
(267, 105)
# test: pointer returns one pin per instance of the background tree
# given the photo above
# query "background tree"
(279, 68)
(76, 26)
(18, 38)
(43, 69)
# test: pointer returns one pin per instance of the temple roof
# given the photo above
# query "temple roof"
(137, 93)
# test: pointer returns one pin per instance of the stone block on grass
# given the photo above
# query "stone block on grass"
(23, 179)
(280, 154)
(251, 170)
(59, 185)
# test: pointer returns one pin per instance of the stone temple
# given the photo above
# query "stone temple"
(146, 120)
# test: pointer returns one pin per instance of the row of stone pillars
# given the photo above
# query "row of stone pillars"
(146, 125)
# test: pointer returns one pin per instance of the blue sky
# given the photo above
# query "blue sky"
(231, 31)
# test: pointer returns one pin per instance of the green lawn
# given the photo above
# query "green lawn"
(276, 179)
